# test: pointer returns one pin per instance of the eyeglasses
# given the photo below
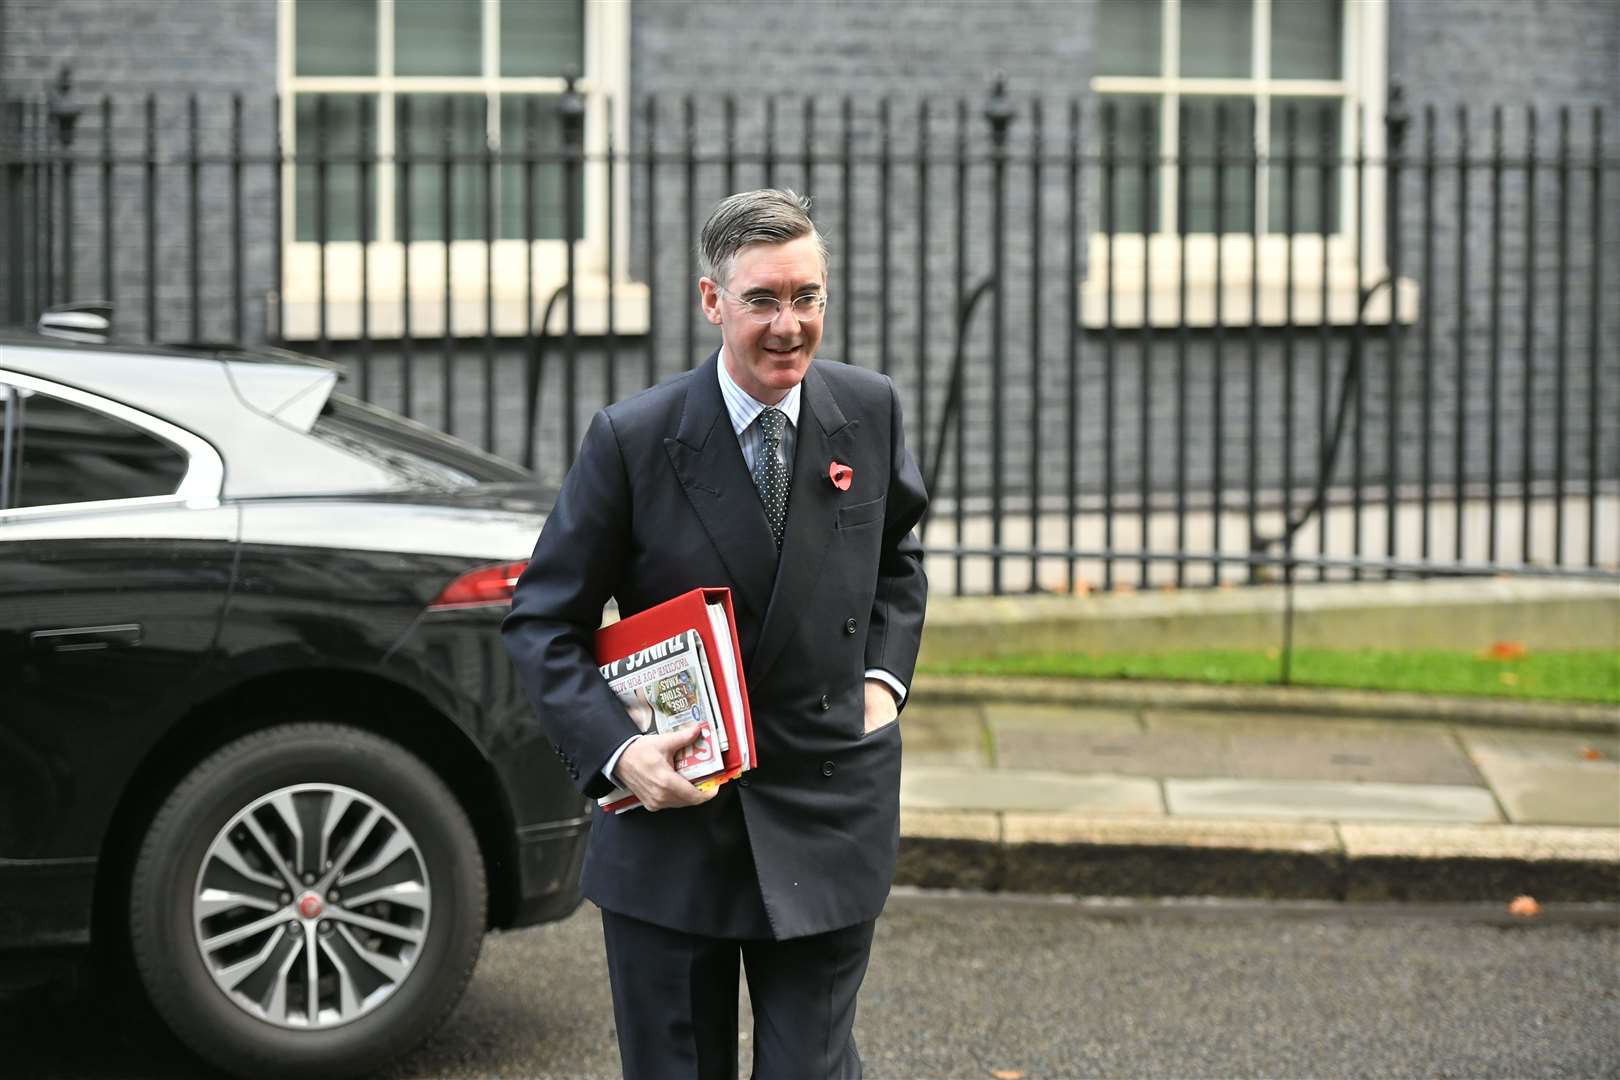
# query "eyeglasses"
(764, 309)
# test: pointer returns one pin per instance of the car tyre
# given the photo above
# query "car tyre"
(201, 843)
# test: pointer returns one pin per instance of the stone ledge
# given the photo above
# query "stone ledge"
(1302, 701)
(1531, 844)
(1543, 613)
(1071, 854)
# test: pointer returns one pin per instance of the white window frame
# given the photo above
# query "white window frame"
(1365, 66)
(296, 314)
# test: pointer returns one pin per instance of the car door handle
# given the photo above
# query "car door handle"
(86, 638)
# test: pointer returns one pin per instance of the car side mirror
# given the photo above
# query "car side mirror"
(87, 321)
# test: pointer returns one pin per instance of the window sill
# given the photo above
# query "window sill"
(1238, 307)
(1256, 289)
(296, 315)
(510, 313)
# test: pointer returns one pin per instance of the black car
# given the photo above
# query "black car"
(257, 729)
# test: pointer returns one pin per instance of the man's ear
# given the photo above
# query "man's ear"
(709, 293)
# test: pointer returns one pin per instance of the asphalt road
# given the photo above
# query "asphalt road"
(968, 986)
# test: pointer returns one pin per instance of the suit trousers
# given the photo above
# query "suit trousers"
(675, 1001)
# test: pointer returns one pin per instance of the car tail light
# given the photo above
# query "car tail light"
(485, 585)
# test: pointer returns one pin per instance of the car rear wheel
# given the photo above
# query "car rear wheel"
(310, 898)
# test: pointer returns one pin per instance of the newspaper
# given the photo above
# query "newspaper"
(668, 687)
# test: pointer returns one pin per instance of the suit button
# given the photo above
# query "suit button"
(742, 781)
(826, 768)
(826, 703)
(849, 626)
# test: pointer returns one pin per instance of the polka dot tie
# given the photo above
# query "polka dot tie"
(770, 474)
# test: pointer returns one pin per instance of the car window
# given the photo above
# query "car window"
(59, 452)
(418, 455)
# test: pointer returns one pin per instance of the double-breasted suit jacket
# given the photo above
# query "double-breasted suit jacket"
(658, 502)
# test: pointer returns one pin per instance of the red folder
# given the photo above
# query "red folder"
(693, 611)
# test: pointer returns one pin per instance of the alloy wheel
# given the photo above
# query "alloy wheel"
(311, 906)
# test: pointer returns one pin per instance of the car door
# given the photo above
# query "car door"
(115, 563)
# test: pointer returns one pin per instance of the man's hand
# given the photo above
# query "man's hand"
(647, 767)
(880, 705)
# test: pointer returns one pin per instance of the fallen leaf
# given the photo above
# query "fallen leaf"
(1007, 1074)
(1506, 650)
(1509, 678)
(1080, 587)
(1273, 654)
(1591, 753)
(1524, 907)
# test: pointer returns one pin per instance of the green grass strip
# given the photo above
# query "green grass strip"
(1588, 675)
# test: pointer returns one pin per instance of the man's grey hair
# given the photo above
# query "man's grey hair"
(764, 216)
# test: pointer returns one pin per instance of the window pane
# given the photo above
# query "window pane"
(433, 133)
(1128, 37)
(438, 37)
(332, 122)
(1315, 164)
(1217, 38)
(542, 37)
(71, 454)
(1307, 38)
(542, 142)
(335, 37)
(1132, 161)
(1234, 117)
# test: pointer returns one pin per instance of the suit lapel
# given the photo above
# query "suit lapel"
(823, 435)
(710, 466)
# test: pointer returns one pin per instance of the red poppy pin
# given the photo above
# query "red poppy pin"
(841, 475)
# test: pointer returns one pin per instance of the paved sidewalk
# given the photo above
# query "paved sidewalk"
(1138, 792)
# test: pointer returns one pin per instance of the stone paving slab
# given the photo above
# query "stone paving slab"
(1549, 747)
(1550, 778)
(942, 734)
(1124, 753)
(1396, 757)
(1535, 793)
(1065, 738)
(1171, 745)
(1330, 801)
(1272, 723)
(948, 787)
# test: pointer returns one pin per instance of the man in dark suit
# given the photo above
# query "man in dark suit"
(787, 479)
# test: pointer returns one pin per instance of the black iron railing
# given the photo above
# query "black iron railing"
(1138, 343)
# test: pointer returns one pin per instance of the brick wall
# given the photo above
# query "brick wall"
(130, 47)
(127, 51)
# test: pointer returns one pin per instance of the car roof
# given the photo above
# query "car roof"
(180, 350)
(11, 335)
(255, 408)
